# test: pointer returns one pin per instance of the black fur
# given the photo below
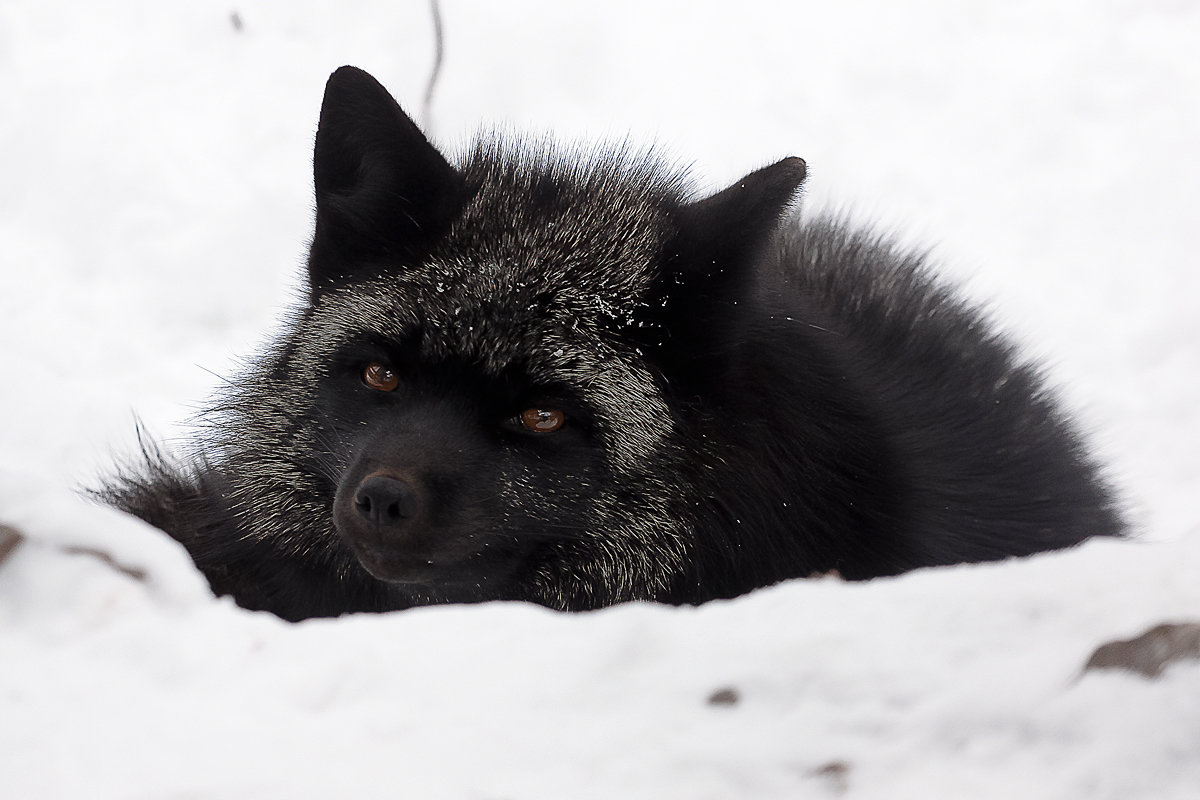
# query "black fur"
(748, 396)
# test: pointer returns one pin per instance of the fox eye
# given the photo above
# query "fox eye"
(379, 377)
(542, 420)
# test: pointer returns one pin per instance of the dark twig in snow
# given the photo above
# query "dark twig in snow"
(427, 106)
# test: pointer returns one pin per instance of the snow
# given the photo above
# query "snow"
(153, 213)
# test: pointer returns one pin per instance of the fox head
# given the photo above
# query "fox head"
(482, 392)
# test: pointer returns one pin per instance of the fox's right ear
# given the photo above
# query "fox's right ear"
(383, 192)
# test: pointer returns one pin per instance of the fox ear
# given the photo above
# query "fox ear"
(720, 233)
(710, 263)
(383, 192)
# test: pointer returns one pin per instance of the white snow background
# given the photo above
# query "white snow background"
(155, 201)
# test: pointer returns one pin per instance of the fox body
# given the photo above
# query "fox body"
(553, 376)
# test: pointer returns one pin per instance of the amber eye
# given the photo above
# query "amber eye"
(543, 420)
(380, 378)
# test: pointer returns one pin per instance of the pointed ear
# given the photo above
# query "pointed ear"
(713, 255)
(711, 265)
(382, 190)
(724, 231)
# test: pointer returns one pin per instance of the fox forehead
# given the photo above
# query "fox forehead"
(548, 348)
(479, 315)
(607, 251)
(516, 271)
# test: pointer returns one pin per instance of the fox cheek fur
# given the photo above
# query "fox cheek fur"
(548, 375)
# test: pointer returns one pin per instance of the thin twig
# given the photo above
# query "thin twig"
(427, 107)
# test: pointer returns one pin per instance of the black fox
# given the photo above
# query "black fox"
(548, 374)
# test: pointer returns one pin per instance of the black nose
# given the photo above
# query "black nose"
(385, 501)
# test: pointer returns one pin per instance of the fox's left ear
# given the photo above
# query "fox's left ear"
(383, 192)
(719, 233)
(709, 266)
(710, 263)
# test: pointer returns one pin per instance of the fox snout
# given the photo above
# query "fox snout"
(385, 502)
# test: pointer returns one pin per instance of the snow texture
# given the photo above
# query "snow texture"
(154, 209)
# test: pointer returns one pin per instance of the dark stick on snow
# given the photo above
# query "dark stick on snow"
(427, 106)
